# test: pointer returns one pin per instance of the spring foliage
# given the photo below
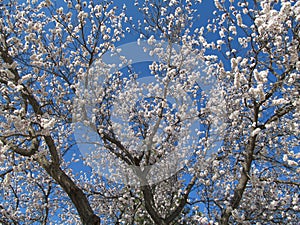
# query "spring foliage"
(250, 49)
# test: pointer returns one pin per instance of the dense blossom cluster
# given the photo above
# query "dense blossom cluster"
(54, 80)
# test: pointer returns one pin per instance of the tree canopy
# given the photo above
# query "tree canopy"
(92, 132)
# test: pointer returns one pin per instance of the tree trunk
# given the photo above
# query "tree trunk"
(77, 196)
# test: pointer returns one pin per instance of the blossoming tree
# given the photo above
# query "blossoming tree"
(177, 153)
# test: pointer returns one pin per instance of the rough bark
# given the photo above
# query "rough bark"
(244, 178)
(52, 166)
(76, 195)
